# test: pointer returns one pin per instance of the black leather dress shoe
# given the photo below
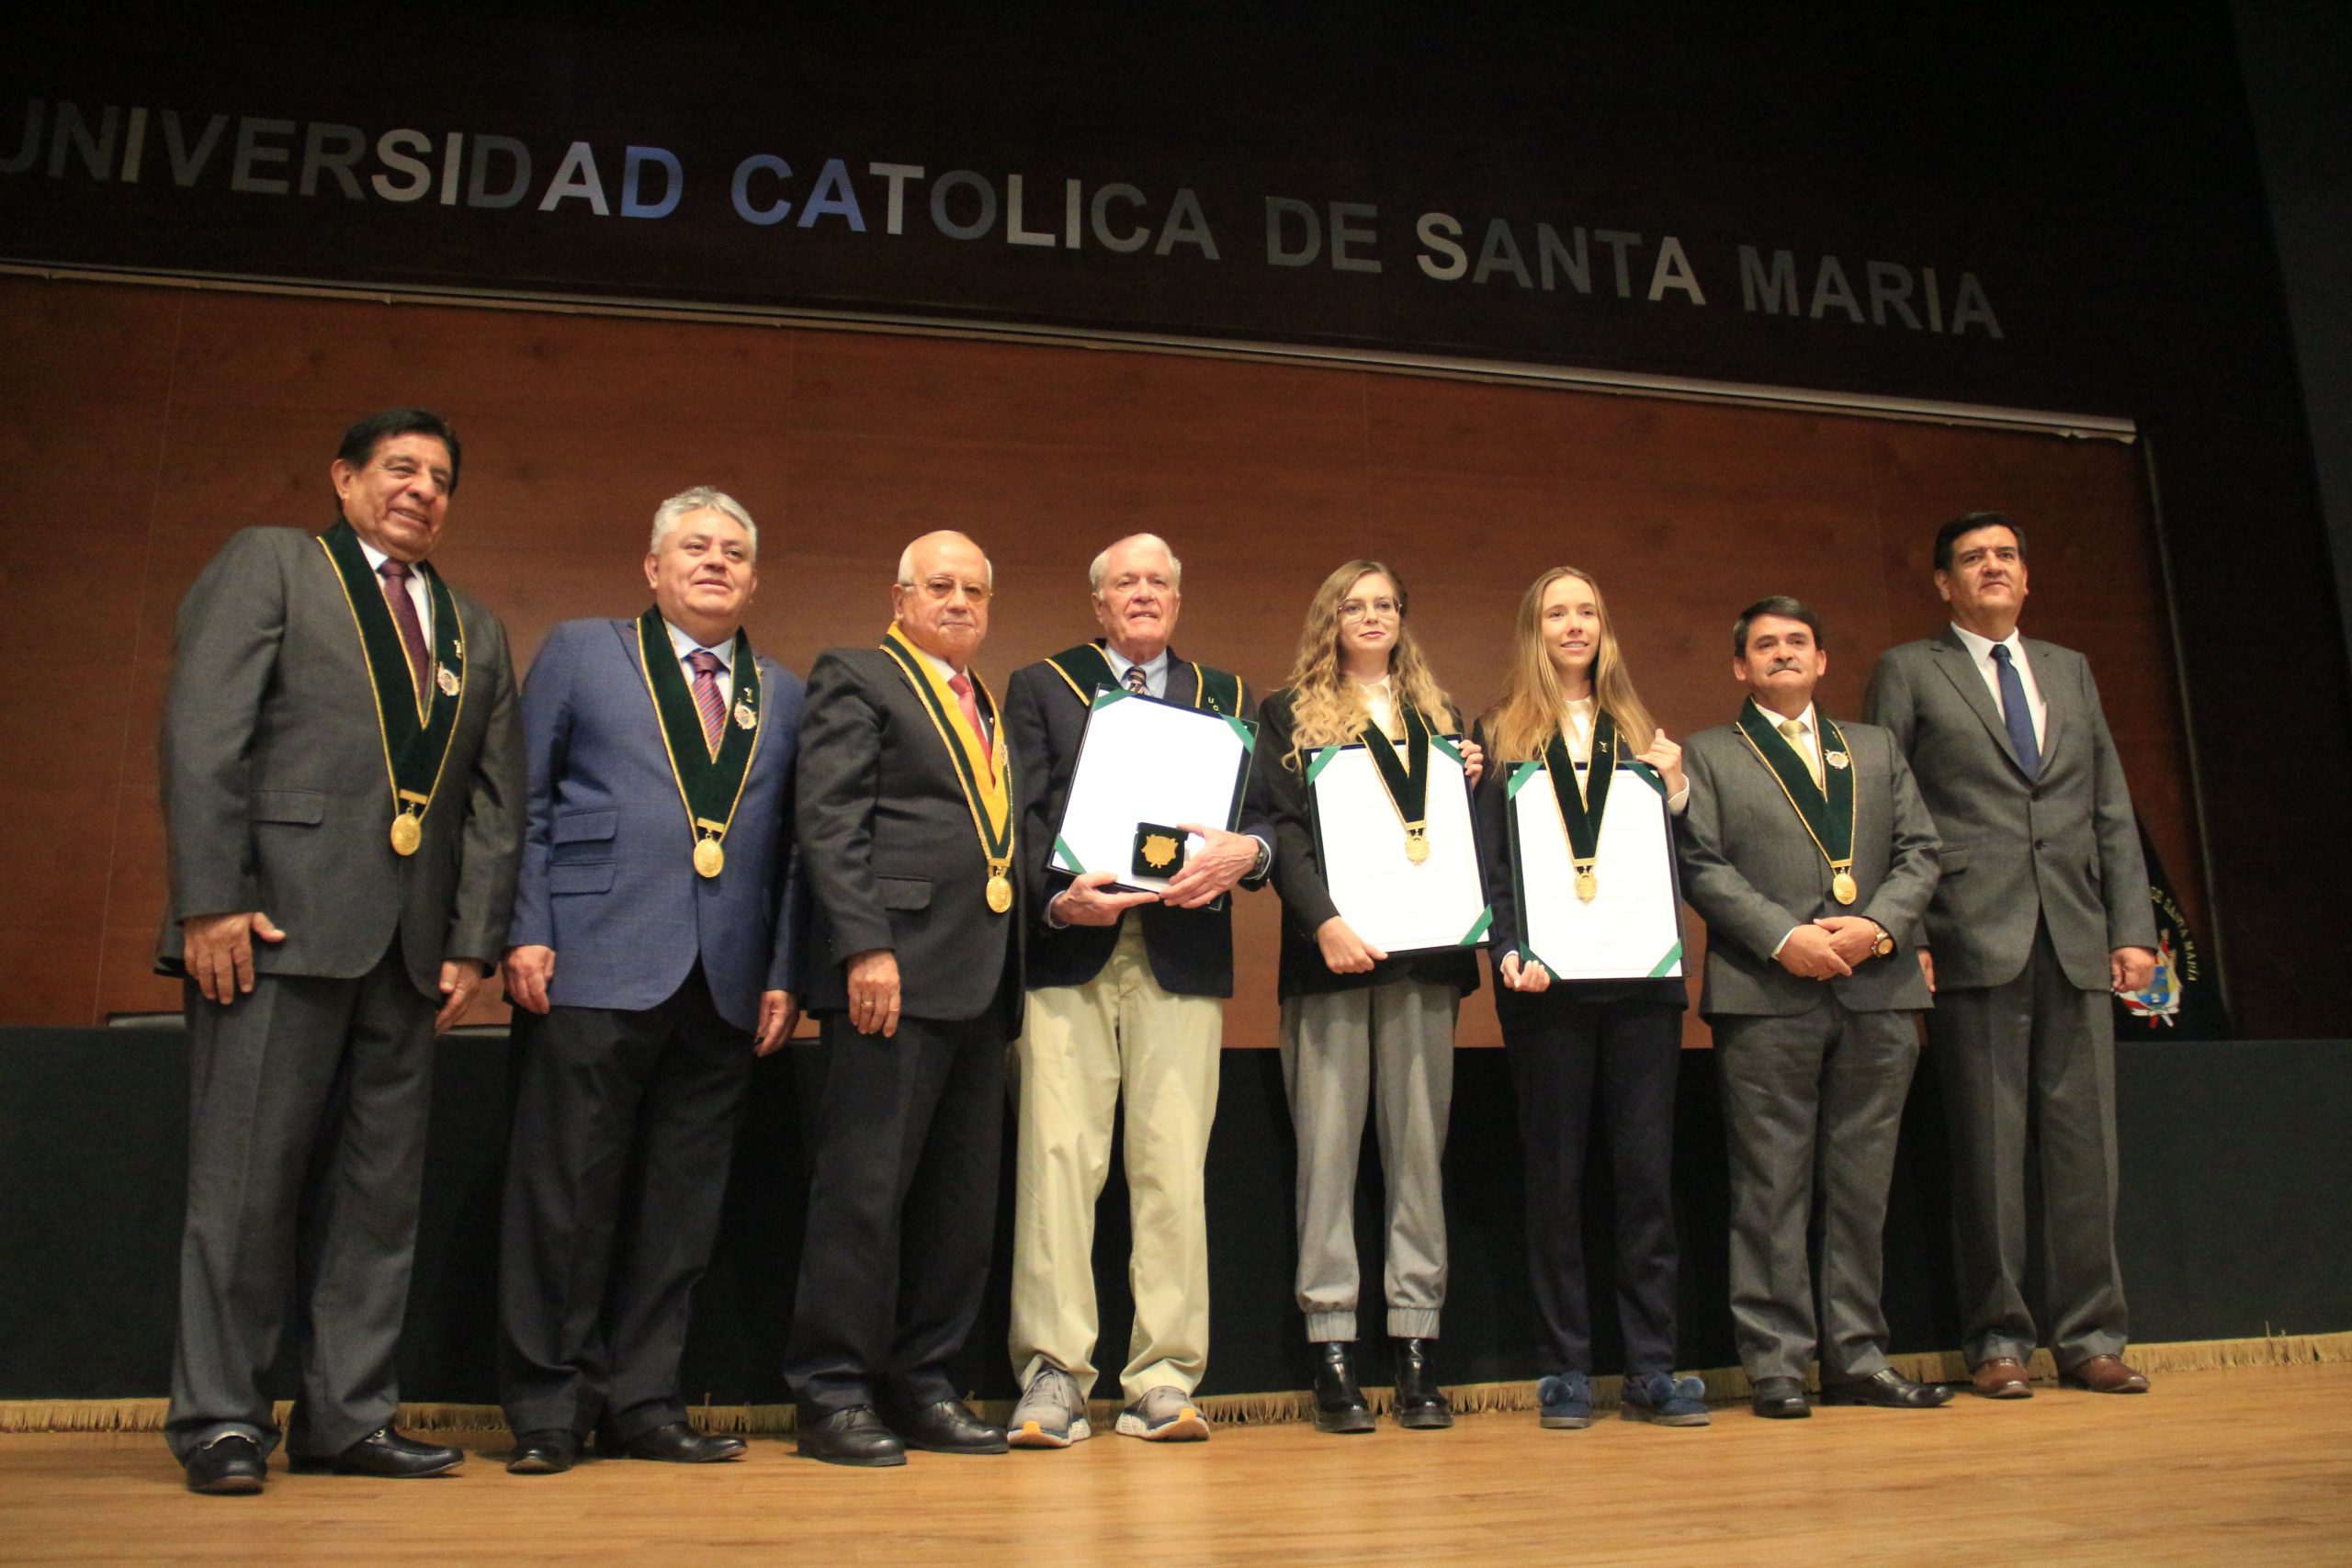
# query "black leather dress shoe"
(388, 1454)
(228, 1466)
(1887, 1388)
(550, 1451)
(677, 1443)
(1421, 1405)
(948, 1427)
(855, 1436)
(1780, 1399)
(1338, 1404)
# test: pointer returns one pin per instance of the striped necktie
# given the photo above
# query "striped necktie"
(1137, 681)
(707, 698)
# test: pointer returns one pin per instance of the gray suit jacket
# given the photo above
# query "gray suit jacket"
(275, 795)
(2062, 848)
(1753, 873)
(890, 854)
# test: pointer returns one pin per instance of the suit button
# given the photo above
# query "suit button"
(2041, 843)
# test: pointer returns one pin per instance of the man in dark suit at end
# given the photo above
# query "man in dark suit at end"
(651, 927)
(343, 796)
(1807, 851)
(906, 814)
(2043, 910)
(1125, 1001)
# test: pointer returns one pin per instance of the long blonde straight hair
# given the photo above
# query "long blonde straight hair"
(1524, 721)
(1327, 708)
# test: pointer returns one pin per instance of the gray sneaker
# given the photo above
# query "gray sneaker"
(1164, 1415)
(1051, 1415)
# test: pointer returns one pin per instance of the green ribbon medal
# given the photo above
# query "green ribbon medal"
(1085, 669)
(1406, 778)
(1826, 809)
(984, 771)
(1582, 801)
(710, 780)
(416, 726)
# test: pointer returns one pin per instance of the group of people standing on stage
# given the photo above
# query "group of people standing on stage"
(671, 847)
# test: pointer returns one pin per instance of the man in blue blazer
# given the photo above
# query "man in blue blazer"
(654, 929)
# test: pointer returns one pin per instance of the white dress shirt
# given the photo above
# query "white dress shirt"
(687, 647)
(1981, 650)
(1155, 670)
(1575, 733)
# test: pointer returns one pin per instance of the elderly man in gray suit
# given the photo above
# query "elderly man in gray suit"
(343, 796)
(1810, 855)
(2043, 910)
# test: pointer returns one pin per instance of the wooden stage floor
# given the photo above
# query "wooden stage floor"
(2239, 1468)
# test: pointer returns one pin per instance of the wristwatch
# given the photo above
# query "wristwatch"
(1884, 946)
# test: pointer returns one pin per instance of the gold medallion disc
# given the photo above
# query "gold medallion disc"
(1588, 886)
(1000, 892)
(1842, 889)
(1417, 845)
(710, 858)
(408, 832)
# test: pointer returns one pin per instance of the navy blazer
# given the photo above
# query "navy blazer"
(608, 878)
(1191, 950)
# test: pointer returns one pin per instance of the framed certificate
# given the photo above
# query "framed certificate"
(1145, 766)
(1632, 927)
(1394, 902)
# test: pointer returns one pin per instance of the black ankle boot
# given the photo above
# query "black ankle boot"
(1339, 1403)
(1421, 1404)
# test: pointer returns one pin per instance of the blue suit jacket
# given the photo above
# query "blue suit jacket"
(608, 878)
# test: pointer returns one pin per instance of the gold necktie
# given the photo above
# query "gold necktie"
(1795, 730)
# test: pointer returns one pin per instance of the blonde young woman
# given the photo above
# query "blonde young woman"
(1586, 1055)
(1359, 1026)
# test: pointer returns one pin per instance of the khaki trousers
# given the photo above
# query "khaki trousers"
(1081, 1048)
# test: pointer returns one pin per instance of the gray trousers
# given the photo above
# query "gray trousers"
(1339, 1048)
(307, 1107)
(1811, 1106)
(2037, 1053)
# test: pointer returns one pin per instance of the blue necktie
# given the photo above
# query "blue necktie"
(2015, 715)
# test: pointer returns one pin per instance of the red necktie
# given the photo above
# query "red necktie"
(395, 574)
(714, 712)
(962, 686)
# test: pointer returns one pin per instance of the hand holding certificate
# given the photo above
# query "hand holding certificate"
(1592, 869)
(1395, 838)
(1146, 771)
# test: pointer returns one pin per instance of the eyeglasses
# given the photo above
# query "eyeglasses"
(1357, 609)
(943, 589)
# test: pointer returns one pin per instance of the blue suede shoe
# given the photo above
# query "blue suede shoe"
(1566, 1399)
(1663, 1398)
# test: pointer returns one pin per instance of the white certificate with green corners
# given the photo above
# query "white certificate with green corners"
(1394, 902)
(1142, 760)
(1632, 927)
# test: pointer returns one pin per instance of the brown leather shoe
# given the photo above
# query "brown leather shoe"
(2003, 1377)
(2105, 1374)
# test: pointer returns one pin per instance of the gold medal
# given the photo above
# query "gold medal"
(408, 832)
(1000, 892)
(1417, 842)
(1158, 851)
(1588, 885)
(710, 858)
(1842, 889)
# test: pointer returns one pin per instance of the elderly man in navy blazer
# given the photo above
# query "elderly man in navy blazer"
(654, 929)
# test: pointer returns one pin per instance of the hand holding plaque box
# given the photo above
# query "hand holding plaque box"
(1143, 765)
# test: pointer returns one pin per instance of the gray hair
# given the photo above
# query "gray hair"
(1101, 563)
(702, 498)
(906, 577)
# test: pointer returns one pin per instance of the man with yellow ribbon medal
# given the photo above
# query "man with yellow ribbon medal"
(1809, 854)
(654, 935)
(342, 790)
(905, 814)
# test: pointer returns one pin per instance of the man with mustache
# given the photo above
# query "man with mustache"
(906, 817)
(1808, 853)
(2042, 911)
(1125, 999)
(654, 935)
(342, 780)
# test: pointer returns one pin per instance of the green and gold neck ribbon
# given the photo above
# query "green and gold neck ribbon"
(1583, 801)
(1086, 669)
(710, 783)
(986, 773)
(1406, 777)
(1826, 809)
(416, 726)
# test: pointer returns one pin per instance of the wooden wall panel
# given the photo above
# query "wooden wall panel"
(180, 417)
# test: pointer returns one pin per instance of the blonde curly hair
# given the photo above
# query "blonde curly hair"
(1329, 709)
